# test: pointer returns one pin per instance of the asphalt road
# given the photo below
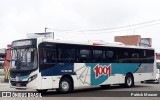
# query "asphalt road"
(114, 92)
(88, 93)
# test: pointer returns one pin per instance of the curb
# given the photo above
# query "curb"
(3, 83)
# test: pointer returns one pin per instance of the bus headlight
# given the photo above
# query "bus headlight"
(32, 78)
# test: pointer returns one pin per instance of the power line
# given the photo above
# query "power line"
(56, 29)
(126, 26)
(131, 27)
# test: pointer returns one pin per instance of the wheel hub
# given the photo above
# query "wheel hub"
(129, 81)
(65, 85)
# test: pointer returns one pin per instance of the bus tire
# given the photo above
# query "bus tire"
(65, 85)
(42, 91)
(129, 81)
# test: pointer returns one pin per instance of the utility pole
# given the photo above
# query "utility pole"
(48, 32)
(45, 31)
(53, 35)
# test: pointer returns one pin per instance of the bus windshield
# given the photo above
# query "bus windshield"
(23, 59)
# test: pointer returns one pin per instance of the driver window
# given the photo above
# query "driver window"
(47, 56)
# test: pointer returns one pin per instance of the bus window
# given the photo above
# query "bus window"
(47, 56)
(66, 55)
(60, 55)
(70, 55)
(109, 56)
(150, 56)
(124, 56)
(144, 53)
(98, 55)
(85, 55)
(135, 55)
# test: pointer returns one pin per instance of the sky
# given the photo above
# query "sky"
(84, 19)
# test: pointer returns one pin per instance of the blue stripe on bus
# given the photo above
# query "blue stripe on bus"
(59, 69)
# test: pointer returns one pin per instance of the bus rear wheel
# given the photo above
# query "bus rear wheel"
(129, 81)
(65, 86)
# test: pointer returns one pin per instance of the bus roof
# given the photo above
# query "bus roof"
(94, 43)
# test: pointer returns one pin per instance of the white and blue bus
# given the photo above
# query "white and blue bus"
(45, 64)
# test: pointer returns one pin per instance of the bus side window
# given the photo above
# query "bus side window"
(60, 55)
(51, 56)
(85, 55)
(150, 56)
(109, 56)
(70, 55)
(66, 55)
(136, 57)
(47, 56)
(98, 55)
(41, 58)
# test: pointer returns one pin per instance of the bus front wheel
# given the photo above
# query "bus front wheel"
(65, 86)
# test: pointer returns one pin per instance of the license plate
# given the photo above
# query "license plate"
(18, 84)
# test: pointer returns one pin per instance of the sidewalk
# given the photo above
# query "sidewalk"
(2, 81)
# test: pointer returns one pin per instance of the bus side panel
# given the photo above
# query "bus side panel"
(147, 76)
(36, 83)
(56, 80)
(137, 77)
(103, 73)
(76, 81)
(146, 71)
(83, 74)
(46, 82)
(114, 79)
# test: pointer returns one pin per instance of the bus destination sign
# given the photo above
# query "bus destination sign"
(23, 43)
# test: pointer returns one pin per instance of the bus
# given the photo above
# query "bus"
(157, 71)
(45, 64)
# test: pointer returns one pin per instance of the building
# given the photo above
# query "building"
(133, 40)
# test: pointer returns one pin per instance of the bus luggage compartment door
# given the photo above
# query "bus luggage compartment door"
(46, 82)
